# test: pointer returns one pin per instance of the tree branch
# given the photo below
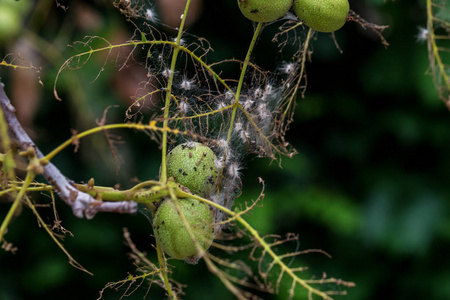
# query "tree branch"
(83, 205)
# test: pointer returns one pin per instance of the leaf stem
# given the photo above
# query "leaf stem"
(8, 160)
(138, 126)
(163, 270)
(241, 78)
(266, 247)
(302, 71)
(163, 178)
(16, 204)
(72, 261)
(176, 50)
(435, 57)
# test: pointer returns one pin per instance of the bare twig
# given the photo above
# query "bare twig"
(377, 29)
(83, 205)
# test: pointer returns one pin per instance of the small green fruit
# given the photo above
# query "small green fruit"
(192, 165)
(12, 15)
(10, 23)
(264, 10)
(322, 15)
(171, 233)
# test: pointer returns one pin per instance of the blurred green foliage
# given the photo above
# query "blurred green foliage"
(370, 185)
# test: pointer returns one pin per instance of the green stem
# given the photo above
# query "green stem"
(83, 134)
(241, 79)
(135, 44)
(434, 48)
(163, 266)
(72, 261)
(302, 71)
(143, 196)
(163, 178)
(8, 159)
(176, 50)
(30, 189)
(266, 247)
(28, 179)
(138, 126)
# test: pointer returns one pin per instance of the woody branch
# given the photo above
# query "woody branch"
(82, 204)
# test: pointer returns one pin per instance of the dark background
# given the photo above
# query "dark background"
(370, 184)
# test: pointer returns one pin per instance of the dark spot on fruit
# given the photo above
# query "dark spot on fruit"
(157, 227)
(162, 223)
(184, 173)
(190, 154)
(255, 11)
(211, 180)
(179, 170)
(195, 169)
(211, 168)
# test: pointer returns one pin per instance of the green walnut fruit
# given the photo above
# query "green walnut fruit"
(12, 17)
(10, 23)
(193, 165)
(322, 15)
(264, 10)
(171, 232)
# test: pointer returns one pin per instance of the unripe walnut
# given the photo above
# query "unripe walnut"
(171, 232)
(264, 10)
(322, 15)
(10, 23)
(192, 165)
